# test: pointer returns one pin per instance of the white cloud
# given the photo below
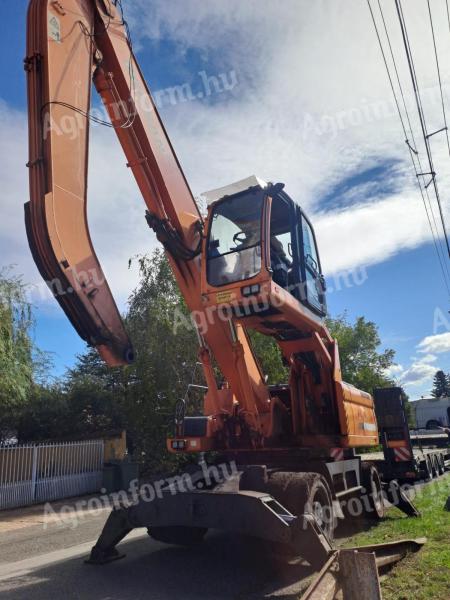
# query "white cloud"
(424, 367)
(418, 374)
(394, 371)
(428, 358)
(435, 343)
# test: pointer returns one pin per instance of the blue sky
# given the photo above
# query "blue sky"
(300, 107)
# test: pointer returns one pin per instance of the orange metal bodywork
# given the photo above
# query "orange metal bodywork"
(69, 44)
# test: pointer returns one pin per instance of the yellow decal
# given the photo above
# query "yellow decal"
(224, 296)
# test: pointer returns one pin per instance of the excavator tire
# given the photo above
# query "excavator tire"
(301, 493)
(178, 535)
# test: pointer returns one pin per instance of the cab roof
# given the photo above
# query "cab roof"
(234, 188)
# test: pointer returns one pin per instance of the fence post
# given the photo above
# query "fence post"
(34, 472)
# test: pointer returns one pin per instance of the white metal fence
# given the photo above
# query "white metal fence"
(34, 473)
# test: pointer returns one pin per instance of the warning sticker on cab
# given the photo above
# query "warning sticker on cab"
(224, 296)
(54, 28)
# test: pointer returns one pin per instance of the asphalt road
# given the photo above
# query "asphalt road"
(40, 563)
(43, 558)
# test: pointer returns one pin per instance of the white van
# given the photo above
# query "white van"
(432, 413)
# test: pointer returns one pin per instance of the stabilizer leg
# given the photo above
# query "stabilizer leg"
(116, 528)
(398, 498)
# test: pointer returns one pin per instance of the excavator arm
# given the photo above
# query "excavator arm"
(71, 43)
(59, 65)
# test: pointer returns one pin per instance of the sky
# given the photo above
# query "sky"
(292, 91)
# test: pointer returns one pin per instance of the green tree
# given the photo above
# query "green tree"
(363, 364)
(141, 397)
(441, 385)
(269, 356)
(16, 349)
(44, 416)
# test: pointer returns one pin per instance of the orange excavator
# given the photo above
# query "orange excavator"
(252, 263)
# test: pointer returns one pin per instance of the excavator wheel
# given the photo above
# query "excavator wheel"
(178, 535)
(372, 483)
(305, 492)
(302, 493)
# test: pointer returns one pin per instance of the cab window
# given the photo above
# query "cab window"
(281, 255)
(234, 244)
(314, 292)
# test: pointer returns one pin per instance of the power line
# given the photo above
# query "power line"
(439, 76)
(438, 244)
(412, 150)
(415, 84)
(388, 72)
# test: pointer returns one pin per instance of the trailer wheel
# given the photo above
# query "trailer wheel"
(372, 482)
(426, 468)
(178, 535)
(435, 463)
(431, 469)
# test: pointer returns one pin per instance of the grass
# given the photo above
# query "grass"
(424, 575)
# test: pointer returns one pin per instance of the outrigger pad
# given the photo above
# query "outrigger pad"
(117, 526)
(102, 557)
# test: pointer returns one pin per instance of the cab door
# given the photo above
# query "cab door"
(313, 282)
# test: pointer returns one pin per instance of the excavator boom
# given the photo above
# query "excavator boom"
(70, 44)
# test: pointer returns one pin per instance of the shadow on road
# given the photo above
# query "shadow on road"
(224, 566)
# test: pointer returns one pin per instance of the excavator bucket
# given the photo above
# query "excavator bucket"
(59, 68)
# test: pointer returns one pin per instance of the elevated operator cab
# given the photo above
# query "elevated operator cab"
(260, 253)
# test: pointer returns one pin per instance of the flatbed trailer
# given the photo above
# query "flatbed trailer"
(400, 459)
(425, 438)
(427, 463)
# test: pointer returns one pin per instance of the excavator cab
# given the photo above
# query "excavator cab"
(260, 244)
